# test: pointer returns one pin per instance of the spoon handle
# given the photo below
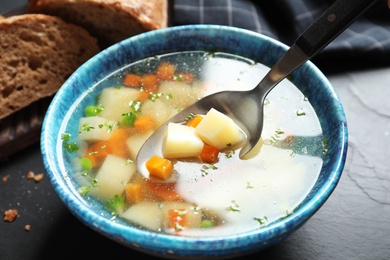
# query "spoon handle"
(330, 24)
(316, 37)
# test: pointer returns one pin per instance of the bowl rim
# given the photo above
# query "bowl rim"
(157, 242)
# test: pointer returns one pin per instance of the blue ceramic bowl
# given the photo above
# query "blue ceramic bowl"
(245, 43)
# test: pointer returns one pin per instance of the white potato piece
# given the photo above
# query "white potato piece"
(218, 130)
(181, 141)
(193, 214)
(117, 101)
(95, 128)
(181, 94)
(135, 142)
(159, 109)
(112, 177)
(146, 213)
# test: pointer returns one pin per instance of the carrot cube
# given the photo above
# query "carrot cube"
(132, 80)
(159, 167)
(193, 122)
(133, 192)
(144, 123)
(150, 83)
(165, 71)
(209, 154)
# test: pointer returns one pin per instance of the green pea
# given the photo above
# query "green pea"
(85, 163)
(92, 110)
(206, 223)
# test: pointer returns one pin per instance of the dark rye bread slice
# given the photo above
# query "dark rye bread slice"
(109, 20)
(37, 54)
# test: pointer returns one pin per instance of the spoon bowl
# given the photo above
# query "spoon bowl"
(246, 107)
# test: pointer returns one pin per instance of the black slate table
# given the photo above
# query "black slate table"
(353, 224)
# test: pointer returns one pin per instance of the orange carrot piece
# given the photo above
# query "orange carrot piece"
(134, 193)
(209, 154)
(97, 152)
(194, 122)
(144, 123)
(159, 167)
(117, 143)
(177, 218)
(164, 191)
(165, 71)
(150, 83)
(132, 80)
(186, 77)
(142, 96)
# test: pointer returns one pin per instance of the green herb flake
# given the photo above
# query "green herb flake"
(262, 221)
(65, 137)
(169, 96)
(86, 128)
(94, 183)
(230, 154)
(115, 205)
(189, 117)
(154, 96)
(234, 206)
(129, 162)
(70, 147)
(204, 172)
(109, 127)
(84, 190)
(135, 106)
(249, 185)
(178, 78)
(300, 112)
(279, 131)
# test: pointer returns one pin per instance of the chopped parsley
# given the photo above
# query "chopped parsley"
(189, 117)
(234, 206)
(263, 221)
(84, 190)
(300, 112)
(115, 205)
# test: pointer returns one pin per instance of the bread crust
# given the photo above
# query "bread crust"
(38, 53)
(109, 20)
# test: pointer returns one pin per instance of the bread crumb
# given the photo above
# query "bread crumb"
(10, 215)
(30, 175)
(27, 227)
(36, 177)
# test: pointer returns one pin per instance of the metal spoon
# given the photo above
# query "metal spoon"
(246, 107)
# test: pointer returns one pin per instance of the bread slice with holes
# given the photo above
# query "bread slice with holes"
(109, 20)
(38, 53)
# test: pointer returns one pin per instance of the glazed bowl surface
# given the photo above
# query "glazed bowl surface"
(212, 38)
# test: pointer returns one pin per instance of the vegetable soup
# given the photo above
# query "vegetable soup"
(216, 192)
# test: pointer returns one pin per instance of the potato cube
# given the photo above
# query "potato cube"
(219, 130)
(135, 142)
(117, 101)
(181, 141)
(112, 177)
(147, 214)
(95, 128)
